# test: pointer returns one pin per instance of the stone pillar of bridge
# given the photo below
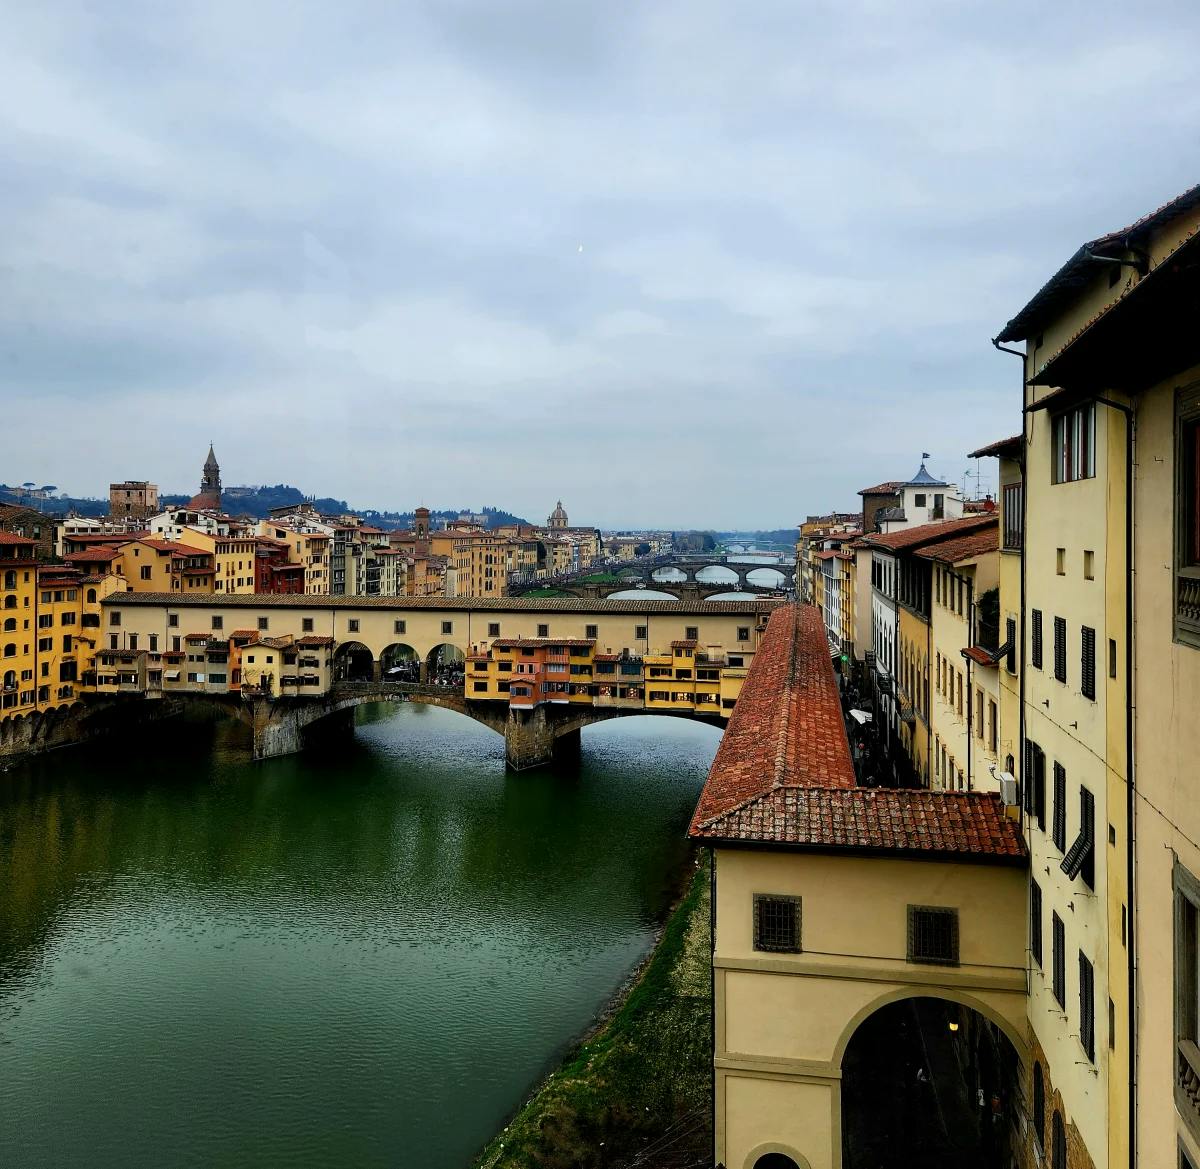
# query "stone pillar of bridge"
(278, 727)
(528, 738)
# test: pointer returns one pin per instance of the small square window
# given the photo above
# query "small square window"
(400, 627)
(114, 618)
(639, 632)
(776, 923)
(218, 622)
(743, 633)
(493, 629)
(172, 620)
(933, 935)
(543, 631)
(306, 624)
(264, 622)
(447, 626)
(352, 624)
(591, 631)
(691, 632)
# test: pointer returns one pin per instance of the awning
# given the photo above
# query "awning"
(172, 675)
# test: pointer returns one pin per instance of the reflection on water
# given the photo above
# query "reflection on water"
(360, 957)
(642, 595)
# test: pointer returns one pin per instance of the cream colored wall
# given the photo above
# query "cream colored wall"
(1167, 769)
(1073, 730)
(782, 1021)
(1010, 608)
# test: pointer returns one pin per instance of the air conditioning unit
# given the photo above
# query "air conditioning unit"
(1008, 789)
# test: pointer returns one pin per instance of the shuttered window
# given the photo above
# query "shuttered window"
(1060, 649)
(1058, 957)
(1010, 641)
(1080, 858)
(1035, 783)
(1059, 827)
(1087, 1007)
(1087, 681)
(1035, 646)
(1035, 921)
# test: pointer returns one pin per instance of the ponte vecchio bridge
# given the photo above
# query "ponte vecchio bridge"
(536, 671)
(661, 575)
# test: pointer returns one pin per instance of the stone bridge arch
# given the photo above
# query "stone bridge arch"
(353, 662)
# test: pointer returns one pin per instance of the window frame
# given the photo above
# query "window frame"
(1186, 503)
(1186, 1007)
(1073, 444)
(947, 912)
(767, 946)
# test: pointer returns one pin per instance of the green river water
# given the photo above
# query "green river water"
(362, 956)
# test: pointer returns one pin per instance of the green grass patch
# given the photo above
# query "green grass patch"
(639, 1090)
(545, 593)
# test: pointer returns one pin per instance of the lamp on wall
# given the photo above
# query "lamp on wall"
(953, 1025)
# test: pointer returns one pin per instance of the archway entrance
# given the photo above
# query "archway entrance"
(353, 662)
(928, 1082)
(446, 666)
(400, 663)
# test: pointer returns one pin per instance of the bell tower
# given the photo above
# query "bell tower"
(210, 480)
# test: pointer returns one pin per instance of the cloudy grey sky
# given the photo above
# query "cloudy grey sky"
(343, 240)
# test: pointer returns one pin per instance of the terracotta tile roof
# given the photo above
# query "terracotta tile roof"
(783, 774)
(685, 643)
(963, 825)
(787, 727)
(8, 538)
(197, 637)
(980, 656)
(892, 487)
(91, 555)
(537, 642)
(964, 547)
(909, 538)
(311, 639)
(1004, 448)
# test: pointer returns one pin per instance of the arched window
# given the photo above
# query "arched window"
(10, 680)
(1058, 1154)
(1039, 1106)
(10, 650)
(91, 596)
(775, 1161)
(10, 602)
(10, 624)
(10, 579)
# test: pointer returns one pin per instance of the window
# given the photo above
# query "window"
(133, 641)
(992, 729)
(1059, 821)
(543, 631)
(1087, 1007)
(154, 643)
(1075, 444)
(400, 627)
(1010, 642)
(776, 923)
(691, 632)
(1089, 565)
(1058, 956)
(1039, 1106)
(114, 618)
(1035, 639)
(1187, 996)
(218, 622)
(1187, 517)
(306, 624)
(640, 632)
(1058, 1154)
(1035, 922)
(1080, 859)
(1035, 783)
(479, 687)
(1060, 649)
(1087, 681)
(933, 935)
(591, 631)
(1014, 520)
(493, 629)
(145, 572)
(352, 625)
(1112, 657)
(263, 622)
(172, 620)
(447, 626)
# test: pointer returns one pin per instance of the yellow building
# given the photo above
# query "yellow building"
(965, 638)
(1112, 538)
(18, 626)
(308, 546)
(840, 912)
(233, 558)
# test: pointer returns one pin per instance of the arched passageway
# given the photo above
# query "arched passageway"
(353, 662)
(928, 1082)
(446, 666)
(400, 663)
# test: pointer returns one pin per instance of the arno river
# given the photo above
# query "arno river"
(365, 956)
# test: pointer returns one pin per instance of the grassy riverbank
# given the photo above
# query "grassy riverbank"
(638, 1092)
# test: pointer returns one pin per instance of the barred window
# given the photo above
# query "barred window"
(400, 627)
(777, 923)
(933, 935)
(493, 629)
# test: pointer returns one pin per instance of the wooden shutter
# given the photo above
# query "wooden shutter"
(1035, 649)
(1010, 663)
(1060, 649)
(1035, 921)
(1060, 807)
(1087, 1007)
(1088, 661)
(1058, 955)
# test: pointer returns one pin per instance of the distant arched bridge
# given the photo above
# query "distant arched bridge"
(660, 575)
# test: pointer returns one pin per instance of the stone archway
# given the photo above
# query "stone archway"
(399, 662)
(353, 662)
(445, 665)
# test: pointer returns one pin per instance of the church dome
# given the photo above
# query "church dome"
(558, 517)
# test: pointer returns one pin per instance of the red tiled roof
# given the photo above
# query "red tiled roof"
(537, 642)
(783, 774)
(892, 487)
(964, 547)
(312, 639)
(944, 824)
(909, 538)
(980, 656)
(9, 538)
(1004, 448)
(685, 643)
(244, 633)
(787, 727)
(198, 636)
(91, 555)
